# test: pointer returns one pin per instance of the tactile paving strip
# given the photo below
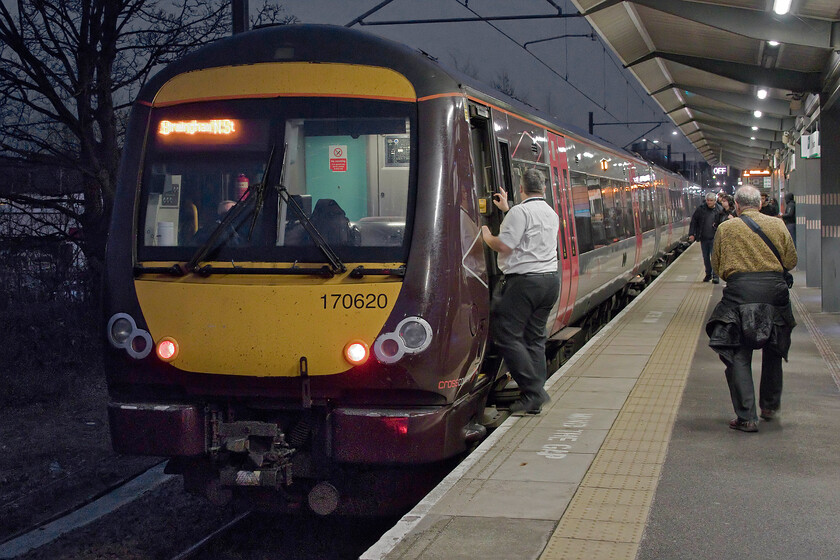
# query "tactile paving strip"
(607, 515)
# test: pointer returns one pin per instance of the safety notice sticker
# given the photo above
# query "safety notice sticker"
(338, 158)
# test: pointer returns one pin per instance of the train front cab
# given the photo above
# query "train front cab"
(238, 355)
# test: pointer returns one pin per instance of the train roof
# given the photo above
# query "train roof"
(329, 43)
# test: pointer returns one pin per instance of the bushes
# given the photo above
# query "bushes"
(48, 348)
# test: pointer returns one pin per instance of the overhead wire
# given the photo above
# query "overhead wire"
(644, 100)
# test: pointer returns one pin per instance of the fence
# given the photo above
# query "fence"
(38, 260)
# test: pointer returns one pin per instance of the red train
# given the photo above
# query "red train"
(297, 298)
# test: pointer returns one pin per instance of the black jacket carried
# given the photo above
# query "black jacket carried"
(754, 312)
(704, 222)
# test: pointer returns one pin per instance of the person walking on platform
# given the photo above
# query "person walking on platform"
(703, 224)
(527, 247)
(789, 216)
(752, 254)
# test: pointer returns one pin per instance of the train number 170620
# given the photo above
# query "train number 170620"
(355, 301)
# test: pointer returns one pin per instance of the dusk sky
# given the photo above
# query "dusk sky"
(564, 77)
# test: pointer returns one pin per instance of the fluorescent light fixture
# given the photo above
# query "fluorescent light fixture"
(752, 137)
(773, 43)
(656, 141)
(674, 133)
(781, 7)
(762, 93)
(755, 128)
(757, 114)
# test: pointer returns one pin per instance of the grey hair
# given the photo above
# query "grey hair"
(710, 195)
(748, 197)
(533, 182)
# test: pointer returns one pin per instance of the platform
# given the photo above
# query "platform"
(634, 459)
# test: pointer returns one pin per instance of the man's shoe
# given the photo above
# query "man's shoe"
(528, 406)
(715, 280)
(743, 425)
(768, 414)
(707, 278)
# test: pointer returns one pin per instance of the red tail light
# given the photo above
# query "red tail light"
(167, 349)
(356, 352)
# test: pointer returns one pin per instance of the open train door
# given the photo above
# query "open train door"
(567, 242)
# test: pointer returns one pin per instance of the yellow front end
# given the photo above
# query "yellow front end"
(263, 325)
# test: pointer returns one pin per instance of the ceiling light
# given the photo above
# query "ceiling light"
(781, 7)
(762, 93)
(656, 141)
(674, 133)
(773, 43)
(752, 137)
(755, 128)
(757, 114)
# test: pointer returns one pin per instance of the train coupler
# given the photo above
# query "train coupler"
(256, 454)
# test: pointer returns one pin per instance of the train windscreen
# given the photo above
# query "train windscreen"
(344, 166)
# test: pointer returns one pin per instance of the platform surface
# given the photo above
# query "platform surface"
(634, 459)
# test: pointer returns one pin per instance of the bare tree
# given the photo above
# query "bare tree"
(69, 70)
(504, 84)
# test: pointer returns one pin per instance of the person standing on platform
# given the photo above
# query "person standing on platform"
(703, 224)
(727, 209)
(755, 310)
(789, 216)
(527, 247)
(769, 206)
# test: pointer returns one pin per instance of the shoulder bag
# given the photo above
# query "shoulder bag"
(755, 227)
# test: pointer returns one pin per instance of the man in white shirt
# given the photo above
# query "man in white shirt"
(527, 247)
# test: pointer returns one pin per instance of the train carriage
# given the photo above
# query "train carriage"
(297, 297)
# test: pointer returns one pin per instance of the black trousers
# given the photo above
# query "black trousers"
(519, 314)
(740, 380)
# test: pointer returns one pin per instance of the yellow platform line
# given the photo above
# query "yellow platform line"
(607, 515)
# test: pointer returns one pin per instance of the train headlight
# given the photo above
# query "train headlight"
(412, 335)
(416, 333)
(123, 334)
(120, 330)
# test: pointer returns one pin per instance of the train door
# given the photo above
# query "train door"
(485, 181)
(567, 243)
(637, 222)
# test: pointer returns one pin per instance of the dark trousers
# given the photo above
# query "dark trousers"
(519, 315)
(740, 380)
(706, 246)
(792, 230)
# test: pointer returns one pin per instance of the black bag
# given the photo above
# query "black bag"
(755, 227)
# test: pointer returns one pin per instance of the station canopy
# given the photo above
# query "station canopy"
(707, 64)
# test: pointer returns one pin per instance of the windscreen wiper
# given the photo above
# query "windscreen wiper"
(334, 262)
(336, 266)
(224, 227)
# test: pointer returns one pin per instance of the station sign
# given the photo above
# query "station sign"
(757, 173)
(720, 170)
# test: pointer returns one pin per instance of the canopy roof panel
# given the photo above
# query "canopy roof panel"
(704, 62)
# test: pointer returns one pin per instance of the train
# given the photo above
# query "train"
(296, 296)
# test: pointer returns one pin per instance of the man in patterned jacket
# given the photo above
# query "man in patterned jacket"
(755, 309)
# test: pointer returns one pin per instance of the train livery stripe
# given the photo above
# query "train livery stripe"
(272, 79)
(264, 330)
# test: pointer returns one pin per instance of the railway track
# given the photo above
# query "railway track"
(194, 550)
